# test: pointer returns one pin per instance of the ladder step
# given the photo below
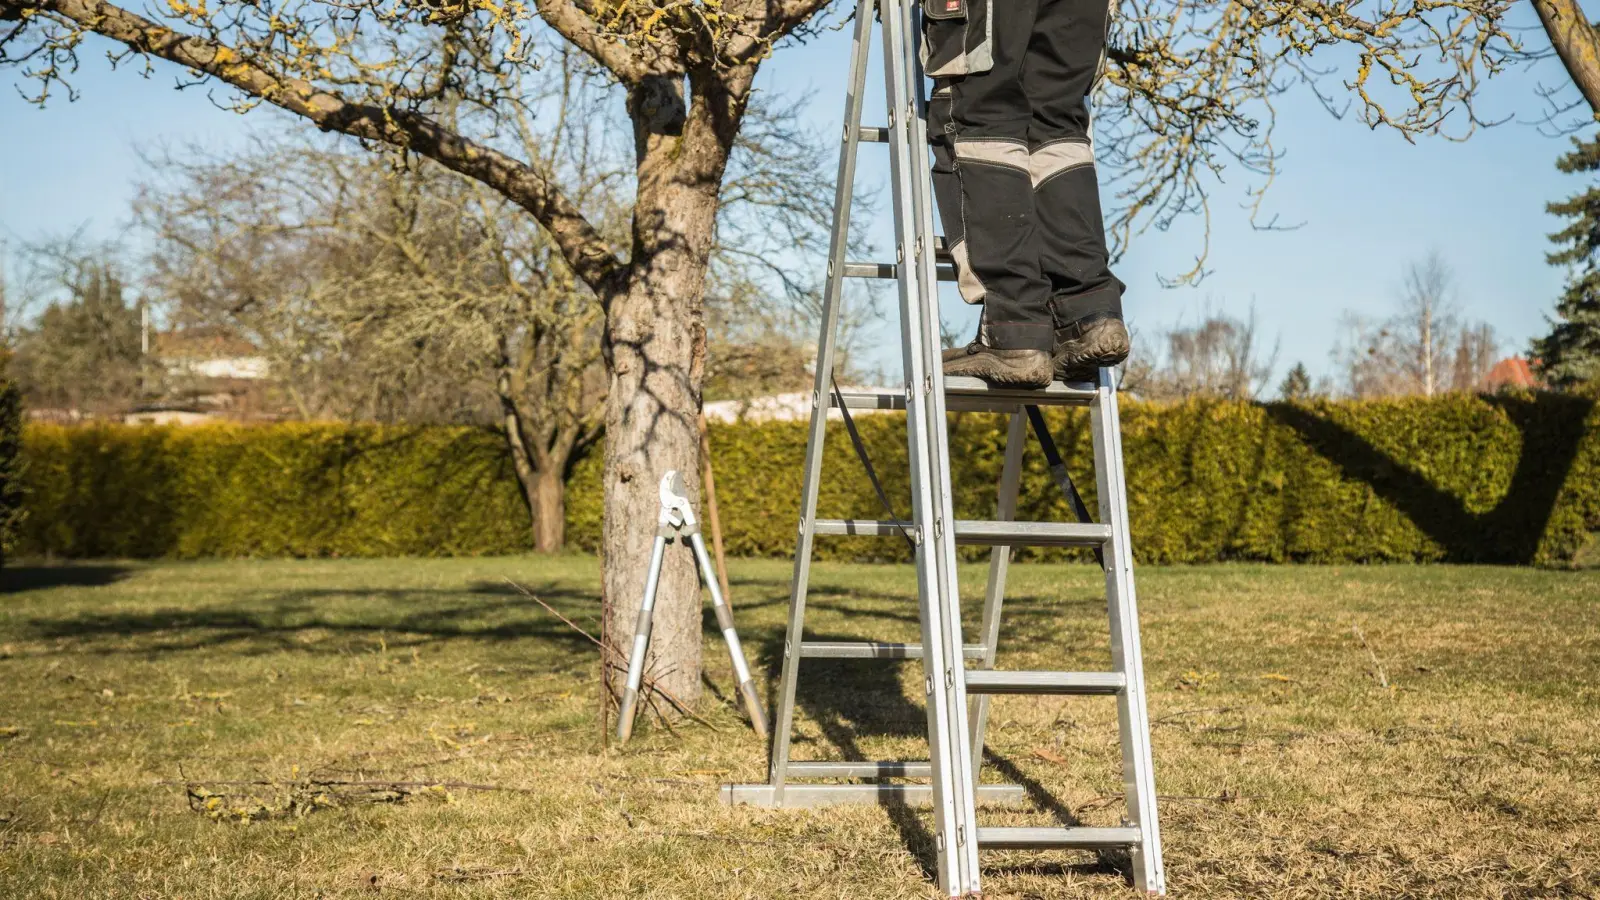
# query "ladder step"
(964, 393)
(874, 135)
(995, 681)
(872, 650)
(983, 533)
(920, 768)
(888, 271)
(1013, 838)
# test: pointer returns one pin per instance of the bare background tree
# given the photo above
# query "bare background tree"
(1222, 357)
(1425, 348)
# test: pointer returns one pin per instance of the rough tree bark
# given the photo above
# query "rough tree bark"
(1576, 42)
(655, 340)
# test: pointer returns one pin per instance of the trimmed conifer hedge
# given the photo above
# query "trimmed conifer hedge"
(11, 462)
(1509, 478)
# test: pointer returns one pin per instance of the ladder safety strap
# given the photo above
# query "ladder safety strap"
(1058, 468)
(866, 463)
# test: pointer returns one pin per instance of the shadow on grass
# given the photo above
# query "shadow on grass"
(484, 612)
(15, 579)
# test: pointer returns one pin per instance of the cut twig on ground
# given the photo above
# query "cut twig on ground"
(1377, 667)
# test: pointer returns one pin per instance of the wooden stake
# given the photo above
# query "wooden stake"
(711, 509)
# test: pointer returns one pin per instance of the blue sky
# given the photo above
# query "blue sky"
(1370, 202)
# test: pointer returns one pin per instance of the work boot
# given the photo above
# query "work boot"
(1016, 368)
(1085, 345)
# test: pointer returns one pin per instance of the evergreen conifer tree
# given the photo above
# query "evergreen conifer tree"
(1570, 354)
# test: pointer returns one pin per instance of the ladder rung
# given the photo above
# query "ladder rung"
(872, 650)
(888, 270)
(988, 534)
(881, 769)
(964, 393)
(874, 135)
(995, 681)
(1014, 838)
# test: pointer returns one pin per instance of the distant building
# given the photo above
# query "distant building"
(1511, 373)
(206, 373)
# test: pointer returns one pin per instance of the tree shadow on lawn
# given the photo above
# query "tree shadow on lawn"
(16, 579)
(1510, 532)
(272, 625)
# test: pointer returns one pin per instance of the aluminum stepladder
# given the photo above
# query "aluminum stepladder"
(955, 732)
(677, 520)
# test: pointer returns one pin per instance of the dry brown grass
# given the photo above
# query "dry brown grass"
(130, 695)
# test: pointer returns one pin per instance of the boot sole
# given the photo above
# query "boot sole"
(997, 371)
(1104, 345)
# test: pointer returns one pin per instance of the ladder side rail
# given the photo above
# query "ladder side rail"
(963, 770)
(832, 300)
(948, 805)
(1150, 821)
(994, 593)
(1133, 720)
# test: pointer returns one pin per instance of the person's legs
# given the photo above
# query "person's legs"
(978, 123)
(1063, 57)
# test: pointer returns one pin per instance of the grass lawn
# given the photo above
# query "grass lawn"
(236, 729)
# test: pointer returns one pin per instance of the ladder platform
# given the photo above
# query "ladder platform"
(889, 271)
(982, 533)
(873, 650)
(1026, 838)
(996, 681)
(815, 795)
(965, 393)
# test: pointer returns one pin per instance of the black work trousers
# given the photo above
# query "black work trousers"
(1013, 166)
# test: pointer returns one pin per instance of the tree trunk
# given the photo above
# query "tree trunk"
(655, 338)
(538, 492)
(549, 503)
(1577, 43)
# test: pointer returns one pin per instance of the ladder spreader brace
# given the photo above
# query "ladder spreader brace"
(955, 731)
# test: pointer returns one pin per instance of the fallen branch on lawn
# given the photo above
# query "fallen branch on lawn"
(398, 786)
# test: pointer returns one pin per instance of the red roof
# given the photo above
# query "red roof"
(1511, 372)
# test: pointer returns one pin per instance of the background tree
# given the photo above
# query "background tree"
(81, 355)
(1425, 348)
(1570, 354)
(1189, 89)
(1296, 384)
(1220, 357)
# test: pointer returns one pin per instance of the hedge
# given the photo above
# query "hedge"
(279, 490)
(11, 462)
(1507, 478)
